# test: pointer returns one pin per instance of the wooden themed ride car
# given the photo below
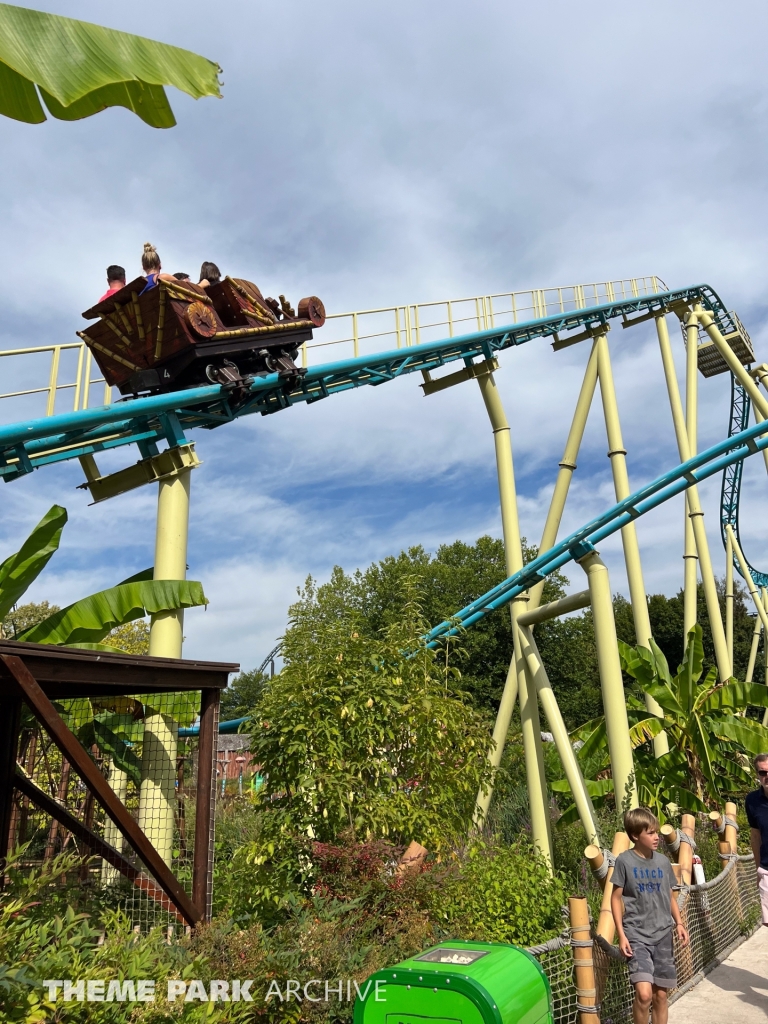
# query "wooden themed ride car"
(179, 335)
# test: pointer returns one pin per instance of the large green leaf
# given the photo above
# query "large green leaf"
(20, 570)
(751, 736)
(736, 696)
(89, 620)
(82, 68)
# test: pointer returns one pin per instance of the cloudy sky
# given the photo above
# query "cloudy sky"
(389, 153)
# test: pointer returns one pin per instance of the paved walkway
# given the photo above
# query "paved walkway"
(736, 992)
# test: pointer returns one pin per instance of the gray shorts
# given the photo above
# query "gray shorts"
(653, 963)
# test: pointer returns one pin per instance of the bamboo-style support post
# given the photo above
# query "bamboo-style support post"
(596, 859)
(583, 961)
(718, 824)
(605, 926)
(685, 853)
(731, 828)
(670, 837)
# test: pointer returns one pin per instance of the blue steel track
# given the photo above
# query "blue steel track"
(145, 422)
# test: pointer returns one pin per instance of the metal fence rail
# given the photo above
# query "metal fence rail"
(345, 335)
(717, 915)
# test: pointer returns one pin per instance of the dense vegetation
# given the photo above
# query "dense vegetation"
(367, 740)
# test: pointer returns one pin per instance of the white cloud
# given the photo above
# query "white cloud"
(390, 153)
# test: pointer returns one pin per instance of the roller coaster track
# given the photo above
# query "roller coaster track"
(31, 444)
(730, 495)
(721, 456)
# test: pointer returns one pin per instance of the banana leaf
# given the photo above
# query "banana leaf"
(736, 696)
(751, 736)
(89, 620)
(112, 745)
(80, 69)
(19, 571)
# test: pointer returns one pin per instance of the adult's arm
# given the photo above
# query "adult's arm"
(755, 838)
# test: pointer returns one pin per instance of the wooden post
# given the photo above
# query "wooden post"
(10, 721)
(669, 837)
(583, 962)
(731, 831)
(605, 926)
(685, 853)
(202, 862)
(596, 859)
(718, 824)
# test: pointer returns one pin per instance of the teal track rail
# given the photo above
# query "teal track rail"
(715, 459)
(730, 495)
(147, 422)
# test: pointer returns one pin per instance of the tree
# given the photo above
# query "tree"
(242, 695)
(445, 582)
(361, 732)
(23, 616)
(81, 69)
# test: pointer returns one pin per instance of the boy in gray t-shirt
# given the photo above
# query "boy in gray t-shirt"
(642, 886)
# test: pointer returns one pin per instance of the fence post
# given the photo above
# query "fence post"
(605, 926)
(583, 961)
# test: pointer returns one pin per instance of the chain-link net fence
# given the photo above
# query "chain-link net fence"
(717, 915)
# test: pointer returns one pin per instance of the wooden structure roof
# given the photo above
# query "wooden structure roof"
(65, 672)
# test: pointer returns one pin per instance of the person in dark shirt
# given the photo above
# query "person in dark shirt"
(757, 816)
(115, 281)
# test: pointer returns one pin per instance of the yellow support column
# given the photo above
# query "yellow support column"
(611, 682)
(567, 466)
(516, 681)
(695, 513)
(158, 765)
(765, 654)
(690, 557)
(540, 684)
(618, 456)
(729, 595)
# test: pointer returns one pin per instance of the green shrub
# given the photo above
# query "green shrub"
(500, 894)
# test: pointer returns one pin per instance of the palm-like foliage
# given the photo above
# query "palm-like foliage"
(115, 724)
(81, 69)
(711, 740)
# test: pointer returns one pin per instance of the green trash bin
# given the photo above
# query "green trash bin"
(459, 983)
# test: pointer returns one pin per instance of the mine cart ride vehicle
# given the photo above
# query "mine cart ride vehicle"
(179, 335)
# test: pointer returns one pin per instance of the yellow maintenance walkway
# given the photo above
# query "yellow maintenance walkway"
(735, 992)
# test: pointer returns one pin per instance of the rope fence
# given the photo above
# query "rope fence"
(718, 915)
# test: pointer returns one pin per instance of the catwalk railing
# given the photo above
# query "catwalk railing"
(53, 371)
(717, 914)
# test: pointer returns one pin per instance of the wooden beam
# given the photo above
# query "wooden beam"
(65, 672)
(10, 720)
(205, 802)
(68, 744)
(95, 843)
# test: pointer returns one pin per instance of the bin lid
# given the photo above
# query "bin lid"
(504, 982)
